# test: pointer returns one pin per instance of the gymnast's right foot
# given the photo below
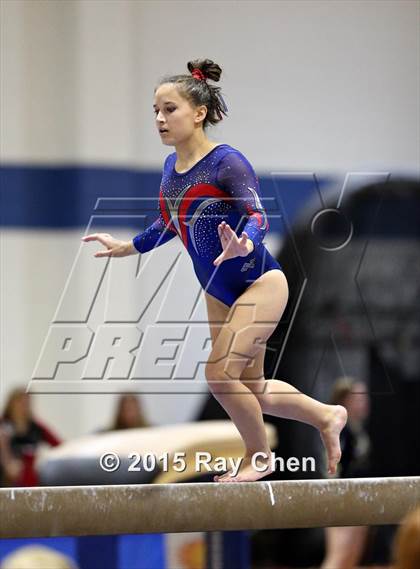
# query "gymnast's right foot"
(330, 434)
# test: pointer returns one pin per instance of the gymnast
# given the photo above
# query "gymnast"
(210, 198)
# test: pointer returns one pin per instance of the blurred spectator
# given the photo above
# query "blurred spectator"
(129, 414)
(407, 542)
(345, 545)
(21, 437)
(37, 557)
(10, 466)
(354, 440)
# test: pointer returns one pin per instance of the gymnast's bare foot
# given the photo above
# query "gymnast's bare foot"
(330, 435)
(247, 472)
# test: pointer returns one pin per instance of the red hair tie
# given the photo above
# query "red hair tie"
(198, 74)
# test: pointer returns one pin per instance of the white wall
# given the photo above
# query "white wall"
(320, 85)
(323, 86)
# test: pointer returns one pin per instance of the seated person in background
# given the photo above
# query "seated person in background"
(345, 545)
(128, 414)
(37, 557)
(25, 434)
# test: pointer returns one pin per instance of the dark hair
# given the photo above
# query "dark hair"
(119, 421)
(199, 92)
(342, 388)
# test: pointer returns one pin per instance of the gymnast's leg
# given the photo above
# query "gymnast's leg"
(248, 325)
(281, 399)
(245, 412)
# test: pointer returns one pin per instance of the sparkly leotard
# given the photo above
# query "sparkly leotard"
(220, 186)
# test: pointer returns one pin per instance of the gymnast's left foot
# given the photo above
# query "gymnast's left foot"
(247, 472)
(330, 435)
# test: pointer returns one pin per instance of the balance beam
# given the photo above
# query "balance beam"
(171, 508)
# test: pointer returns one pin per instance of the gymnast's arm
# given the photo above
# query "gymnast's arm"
(155, 235)
(236, 176)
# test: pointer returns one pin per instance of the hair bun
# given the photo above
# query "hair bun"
(208, 68)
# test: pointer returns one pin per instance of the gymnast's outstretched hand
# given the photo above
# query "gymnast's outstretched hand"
(114, 247)
(233, 246)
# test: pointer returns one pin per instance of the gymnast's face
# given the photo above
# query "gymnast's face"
(175, 115)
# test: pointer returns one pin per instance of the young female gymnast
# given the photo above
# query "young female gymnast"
(210, 198)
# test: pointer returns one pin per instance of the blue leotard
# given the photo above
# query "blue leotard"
(220, 186)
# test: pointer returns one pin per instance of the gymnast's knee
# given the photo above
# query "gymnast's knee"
(227, 367)
(218, 378)
(215, 372)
